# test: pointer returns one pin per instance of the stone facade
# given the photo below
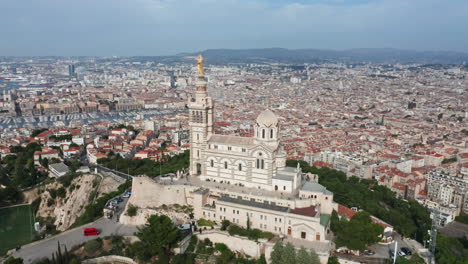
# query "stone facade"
(244, 180)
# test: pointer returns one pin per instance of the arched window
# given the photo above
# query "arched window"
(225, 165)
(198, 136)
(198, 153)
(271, 133)
(263, 133)
(260, 162)
(240, 166)
(212, 163)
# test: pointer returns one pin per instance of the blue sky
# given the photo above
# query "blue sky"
(165, 27)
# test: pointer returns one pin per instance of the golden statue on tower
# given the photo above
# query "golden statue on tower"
(200, 66)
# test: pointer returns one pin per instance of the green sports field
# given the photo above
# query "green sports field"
(16, 227)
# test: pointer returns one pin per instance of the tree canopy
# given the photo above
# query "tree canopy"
(358, 233)
(157, 237)
(286, 254)
(147, 167)
(18, 171)
(451, 250)
(409, 218)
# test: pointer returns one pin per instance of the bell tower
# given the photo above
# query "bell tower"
(200, 121)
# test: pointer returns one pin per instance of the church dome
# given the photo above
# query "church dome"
(267, 118)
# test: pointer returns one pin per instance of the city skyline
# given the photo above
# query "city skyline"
(146, 27)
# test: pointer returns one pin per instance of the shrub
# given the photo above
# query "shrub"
(61, 192)
(204, 222)
(66, 179)
(132, 210)
(92, 246)
(252, 234)
(52, 192)
(35, 205)
(225, 224)
(50, 202)
(192, 244)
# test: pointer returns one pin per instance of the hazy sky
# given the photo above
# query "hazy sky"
(164, 27)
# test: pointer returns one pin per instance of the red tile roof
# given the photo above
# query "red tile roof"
(306, 211)
(345, 211)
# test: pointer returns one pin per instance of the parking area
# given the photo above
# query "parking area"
(383, 251)
(115, 207)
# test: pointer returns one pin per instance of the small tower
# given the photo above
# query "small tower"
(201, 122)
(266, 128)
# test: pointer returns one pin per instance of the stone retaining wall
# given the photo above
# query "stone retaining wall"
(109, 259)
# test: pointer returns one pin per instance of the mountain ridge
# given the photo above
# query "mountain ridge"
(357, 55)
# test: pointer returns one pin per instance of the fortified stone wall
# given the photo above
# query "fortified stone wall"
(146, 193)
(268, 248)
(234, 243)
(144, 213)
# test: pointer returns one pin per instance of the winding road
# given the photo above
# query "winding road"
(38, 250)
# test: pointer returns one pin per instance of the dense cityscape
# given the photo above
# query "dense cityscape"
(234, 132)
(74, 131)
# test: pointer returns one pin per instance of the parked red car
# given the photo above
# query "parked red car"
(91, 232)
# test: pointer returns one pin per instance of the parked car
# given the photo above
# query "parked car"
(368, 252)
(119, 199)
(391, 253)
(401, 253)
(127, 194)
(91, 232)
(406, 250)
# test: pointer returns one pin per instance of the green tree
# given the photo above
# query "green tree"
(314, 258)
(44, 162)
(159, 235)
(409, 218)
(10, 194)
(61, 192)
(37, 131)
(289, 254)
(334, 222)
(333, 260)
(276, 253)
(462, 218)
(225, 224)
(415, 259)
(227, 256)
(358, 233)
(303, 256)
(451, 250)
(13, 260)
(261, 260)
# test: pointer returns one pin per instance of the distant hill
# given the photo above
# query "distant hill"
(269, 55)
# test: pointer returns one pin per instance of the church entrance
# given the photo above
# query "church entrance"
(276, 187)
(198, 168)
(289, 231)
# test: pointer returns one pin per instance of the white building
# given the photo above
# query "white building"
(244, 180)
(253, 163)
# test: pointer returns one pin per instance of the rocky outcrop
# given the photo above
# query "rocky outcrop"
(66, 210)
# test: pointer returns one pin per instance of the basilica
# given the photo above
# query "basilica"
(256, 162)
(289, 204)
(244, 180)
